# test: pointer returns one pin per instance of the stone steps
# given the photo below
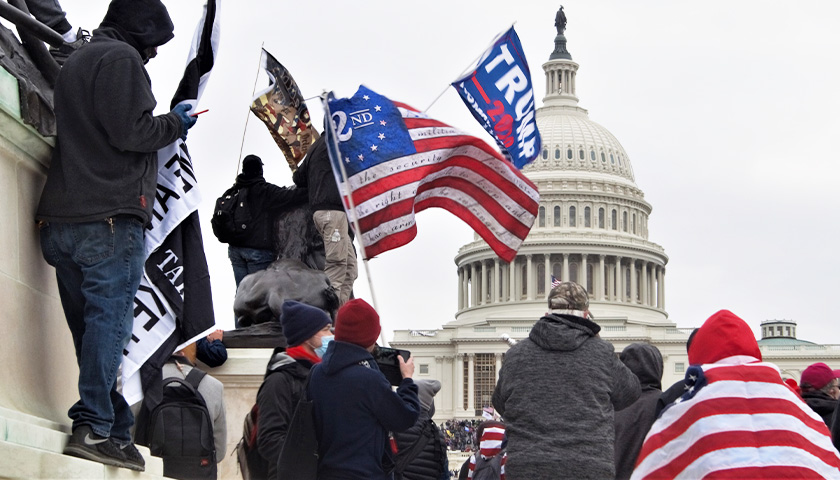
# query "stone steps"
(30, 447)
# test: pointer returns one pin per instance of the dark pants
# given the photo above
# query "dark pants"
(98, 266)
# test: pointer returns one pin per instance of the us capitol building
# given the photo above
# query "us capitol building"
(592, 228)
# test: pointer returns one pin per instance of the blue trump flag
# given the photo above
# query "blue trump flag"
(500, 95)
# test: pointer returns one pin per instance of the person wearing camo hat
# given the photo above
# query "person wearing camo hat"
(558, 390)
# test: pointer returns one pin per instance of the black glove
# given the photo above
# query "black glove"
(186, 121)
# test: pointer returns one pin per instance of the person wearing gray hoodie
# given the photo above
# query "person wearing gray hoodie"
(632, 423)
(557, 392)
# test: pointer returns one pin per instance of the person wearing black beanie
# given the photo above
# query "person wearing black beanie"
(307, 332)
(255, 249)
(95, 205)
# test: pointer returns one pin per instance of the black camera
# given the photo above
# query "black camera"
(389, 364)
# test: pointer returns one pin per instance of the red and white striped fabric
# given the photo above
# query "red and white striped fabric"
(400, 162)
(491, 441)
(741, 422)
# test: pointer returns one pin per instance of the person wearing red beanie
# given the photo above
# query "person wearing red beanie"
(354, 405)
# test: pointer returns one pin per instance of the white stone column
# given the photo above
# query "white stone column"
(658, 286)
(645, 299)
(496, 276)
(619, 281)
(529, 277)
(512, 271)
(471, 384)
(662, 287)
(483, 299)
(566, 267)
(547, 274)
(473, 285)
(602, 282)
(633, 286)
(458, 390)
(460, 288)
(583, 271)
(498, 366)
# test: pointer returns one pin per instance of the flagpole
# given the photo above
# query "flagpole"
(475, 60)
(253, 90)
(352, 212)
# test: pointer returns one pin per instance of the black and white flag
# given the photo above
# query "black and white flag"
(174, 306)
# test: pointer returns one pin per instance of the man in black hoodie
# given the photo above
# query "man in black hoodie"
(97, 199)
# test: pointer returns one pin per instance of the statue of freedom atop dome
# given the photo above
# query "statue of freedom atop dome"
(560, 21)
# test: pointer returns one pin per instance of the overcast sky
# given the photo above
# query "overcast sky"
(729, 112)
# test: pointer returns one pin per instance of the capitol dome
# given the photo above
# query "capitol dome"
(592, 225)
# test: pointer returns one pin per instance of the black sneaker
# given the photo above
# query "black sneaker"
(88, 445)
(61, 53)
(133, 459)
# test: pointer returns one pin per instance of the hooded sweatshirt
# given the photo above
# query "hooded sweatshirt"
(633, 422)
(354, 410)
(557, 392)
(105, 159)
(265, 200)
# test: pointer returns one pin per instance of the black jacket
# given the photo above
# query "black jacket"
(277, 398)
(632, 423)
(265, 200)
(315, 173)
(354, 409)
(105, 158)
(822, 403)
(429, 462)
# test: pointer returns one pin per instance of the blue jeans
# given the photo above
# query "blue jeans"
(98, 266)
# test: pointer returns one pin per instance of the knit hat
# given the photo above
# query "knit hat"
(723, 335)
(252, 165)
(357, 323)
(568, 297)
(818, 375)
(146, 22)
(426, 391)
(301, 321)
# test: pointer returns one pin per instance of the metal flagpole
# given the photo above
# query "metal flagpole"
(475, 60)
(352, 212)
(253, 90)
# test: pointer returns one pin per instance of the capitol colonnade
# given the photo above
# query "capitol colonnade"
(607, 278)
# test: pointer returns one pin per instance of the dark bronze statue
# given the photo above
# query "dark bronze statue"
(560, 21)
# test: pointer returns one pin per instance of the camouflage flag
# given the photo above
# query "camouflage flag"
(281, 107)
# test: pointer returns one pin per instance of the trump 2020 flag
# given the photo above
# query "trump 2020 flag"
(500, 95)
(174, 304)
(398, 162)
(281, 108)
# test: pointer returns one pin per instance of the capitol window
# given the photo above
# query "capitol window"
(572, 217)
(634, 224)
(603, 157)
(581, 154)
(573, 272)
(587, 217)
(614, 220)
(612, 159)
(569, 154)
(424, 369)
(557, 217)
(541, 279)
(592, 155)
(600, 218)
(624, 221)
(619, 160)
(557, 154)
(545, 154)
(542, 216)
(679, 367)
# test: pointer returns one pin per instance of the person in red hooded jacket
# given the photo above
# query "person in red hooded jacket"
(737, 418)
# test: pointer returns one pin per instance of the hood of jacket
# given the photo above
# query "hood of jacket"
(723, 335)
(341, 355)
(280, 360)
(645, 361)
(245, 180)
(562, 332)
(140, 23)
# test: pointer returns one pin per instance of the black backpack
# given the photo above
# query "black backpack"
(252, 465)
(180, 430)
(232, 215)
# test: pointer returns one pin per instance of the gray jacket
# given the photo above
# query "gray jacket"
(557, 392)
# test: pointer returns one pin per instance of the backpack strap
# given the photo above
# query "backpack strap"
(195, 377)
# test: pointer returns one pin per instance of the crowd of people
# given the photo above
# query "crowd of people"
(571, 407)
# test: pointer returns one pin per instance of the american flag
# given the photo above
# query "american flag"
(738, 421)
(554, 281)
(398, 162)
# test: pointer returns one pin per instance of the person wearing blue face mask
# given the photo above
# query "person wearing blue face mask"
(308, 332)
